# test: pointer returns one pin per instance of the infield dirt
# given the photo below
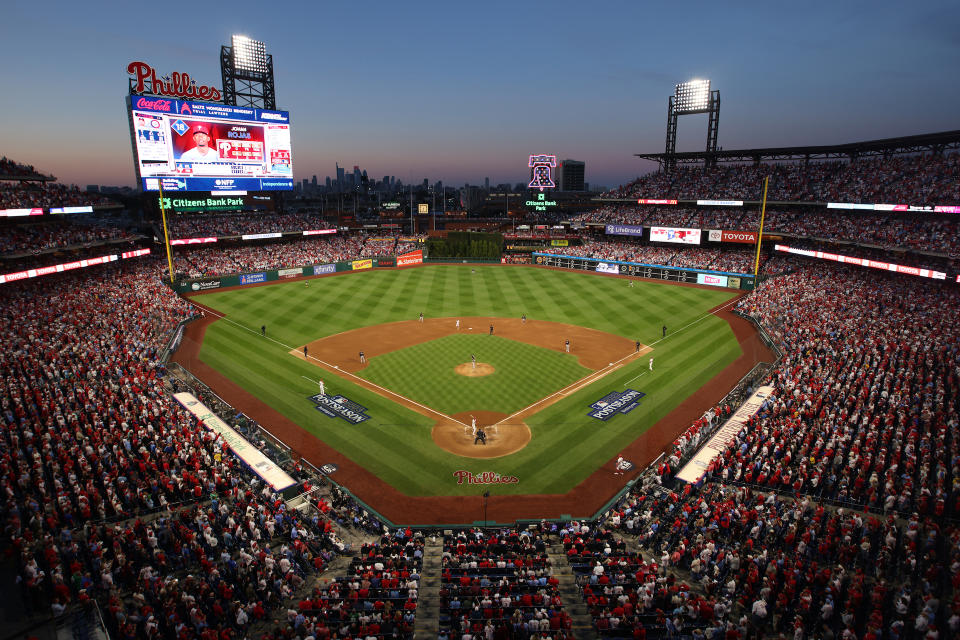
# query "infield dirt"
(582, 501)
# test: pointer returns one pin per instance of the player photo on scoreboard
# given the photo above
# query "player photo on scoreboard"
(204, 141)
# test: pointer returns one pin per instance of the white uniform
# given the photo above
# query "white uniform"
(651, 364)
(323, 389)
(458, 325)
(473, 425)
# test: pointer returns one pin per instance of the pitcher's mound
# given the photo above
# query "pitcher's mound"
(466, 369)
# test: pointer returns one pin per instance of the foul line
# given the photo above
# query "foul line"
(596, 375)
(571, 388)
(335, 369)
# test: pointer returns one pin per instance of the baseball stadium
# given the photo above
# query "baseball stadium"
(718, 401)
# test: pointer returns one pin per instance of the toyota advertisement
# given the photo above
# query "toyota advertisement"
(197, 146)
(677, 236)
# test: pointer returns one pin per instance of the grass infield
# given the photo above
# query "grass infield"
(523, 373)
(395, 443)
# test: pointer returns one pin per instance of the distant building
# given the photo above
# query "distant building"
(570, 175)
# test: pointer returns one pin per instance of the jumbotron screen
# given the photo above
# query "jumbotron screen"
(199, 146)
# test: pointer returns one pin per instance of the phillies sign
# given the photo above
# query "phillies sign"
(176, 85)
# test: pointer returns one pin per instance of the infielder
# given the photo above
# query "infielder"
(458, 325)
(421, 316)
(323, 389)
(567, 345)
(473, 359)
(363, 358)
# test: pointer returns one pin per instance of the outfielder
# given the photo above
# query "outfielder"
(651, 364)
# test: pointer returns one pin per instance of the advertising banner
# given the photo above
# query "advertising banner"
(87, 209)
(253, 278)
(205, 285)
(624, 230)
(720, 203)
(414, 257)
(559, 243)
(694, 470)
(604, 267)
(319, 232)
(386, 261)
(865, 262)
(715, 235)
(712, 280)
(253, 457)
(677, 236)
(743, 237)
(357, 265)
(655, 201)
(193, 241)
(290, 273)
(321, 269)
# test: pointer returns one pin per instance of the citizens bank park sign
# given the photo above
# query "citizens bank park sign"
(175, 85)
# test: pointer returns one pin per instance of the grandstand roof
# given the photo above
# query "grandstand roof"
(923, 143)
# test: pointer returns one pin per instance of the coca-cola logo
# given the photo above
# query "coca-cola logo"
(485, 477)
(154, 105)
(178, 85)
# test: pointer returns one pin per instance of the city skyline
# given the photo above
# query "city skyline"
(459, 94)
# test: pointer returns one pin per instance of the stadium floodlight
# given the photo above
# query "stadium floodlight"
(692, 97)
(249, 55)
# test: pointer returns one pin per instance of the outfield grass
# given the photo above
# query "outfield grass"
(395, 443)
(523, 374)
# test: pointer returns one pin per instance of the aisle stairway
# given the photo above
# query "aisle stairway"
(428, 604)
(573, 604)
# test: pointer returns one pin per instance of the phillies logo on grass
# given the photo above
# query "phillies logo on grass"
(486, 477)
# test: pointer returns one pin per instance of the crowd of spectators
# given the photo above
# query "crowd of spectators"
(22, 195)
(43, 236)
(376, 599)
(218, 259)
(917, 180)
(207, 260)
(938, 233)
(236, 224)
(12, 168)
(499, 584)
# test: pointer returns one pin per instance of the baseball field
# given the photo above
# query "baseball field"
(406, 414)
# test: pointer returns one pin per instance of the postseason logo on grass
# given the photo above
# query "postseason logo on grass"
(614, 403)
(340, 407)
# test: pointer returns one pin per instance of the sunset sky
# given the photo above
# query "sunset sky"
(464, 91)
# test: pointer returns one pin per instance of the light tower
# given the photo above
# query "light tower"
(247, 71)
(690, 97)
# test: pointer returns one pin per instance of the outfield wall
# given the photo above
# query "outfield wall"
(725, 279)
